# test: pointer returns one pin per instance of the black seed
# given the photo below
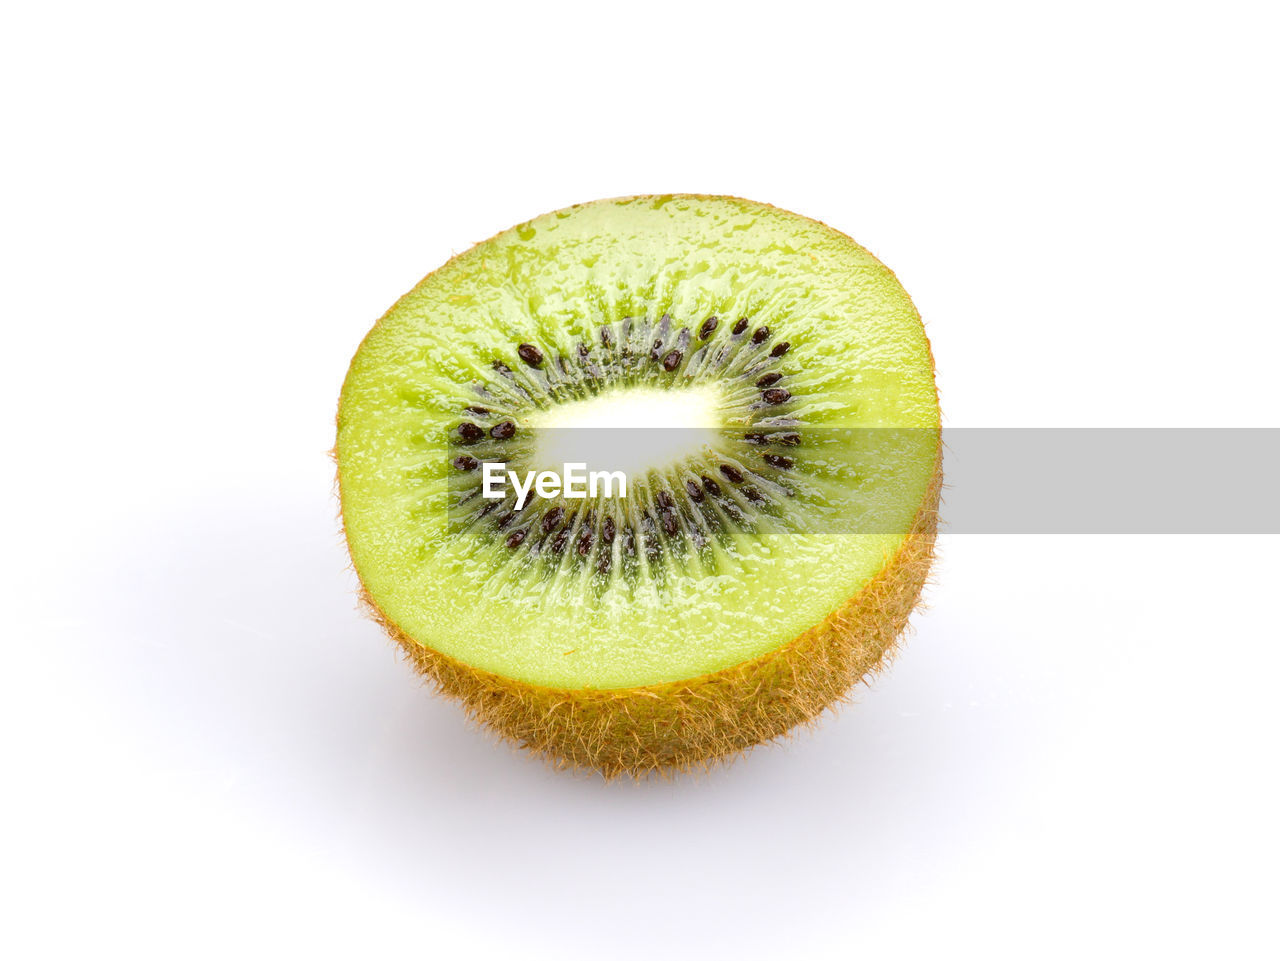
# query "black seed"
(470, 433)
(607, 531)
(656, 351)
(606, 562)
(583, 352)
(503, 431)
(778, 461)
(791, 438)
(760, 336)
(780, 349)
(552, 520)
(695, 492)
(768, 380)
(753, 495)
(664, 500)
(672, 361)
(740, 326)
(501, 368)
(651, 546)
(480, 411)
(516, 538)
(584, 542)
(466, 462)
(755, 437)
(710, 486)
(505, 519)
(606, 336)
(708, 325)
(776, 395)
(669, 525)
(557, 545)
(732, 473)
(530, 355)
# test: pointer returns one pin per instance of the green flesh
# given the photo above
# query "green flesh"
(685, 604)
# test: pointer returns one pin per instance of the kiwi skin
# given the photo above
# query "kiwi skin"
(691, 724)
(695, 723)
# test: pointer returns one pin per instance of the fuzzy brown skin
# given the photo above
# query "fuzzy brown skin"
(683, 725)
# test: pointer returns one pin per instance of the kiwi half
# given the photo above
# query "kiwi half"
(727, 598)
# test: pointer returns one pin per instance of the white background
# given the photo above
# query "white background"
(208, 752)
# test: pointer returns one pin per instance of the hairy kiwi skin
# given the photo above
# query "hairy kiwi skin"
(691, 724)
(694, 723)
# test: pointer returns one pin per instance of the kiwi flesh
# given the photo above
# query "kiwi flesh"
(726, 599)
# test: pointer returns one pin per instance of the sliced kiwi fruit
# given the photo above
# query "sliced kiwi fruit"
(743, 584)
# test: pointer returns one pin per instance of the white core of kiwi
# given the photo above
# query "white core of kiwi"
(664, 427)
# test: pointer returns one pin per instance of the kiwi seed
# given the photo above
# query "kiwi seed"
(732, 473)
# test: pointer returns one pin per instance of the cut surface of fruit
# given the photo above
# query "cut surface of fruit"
(769, 383)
